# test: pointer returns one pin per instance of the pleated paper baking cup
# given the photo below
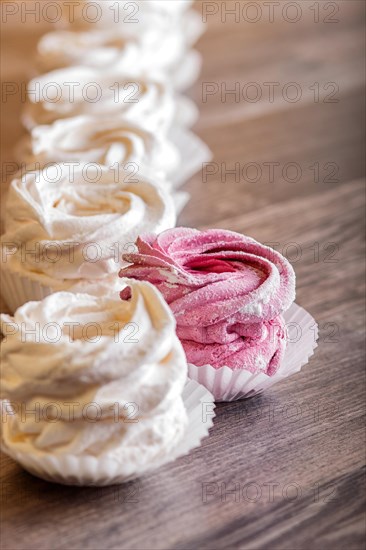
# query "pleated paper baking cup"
(91, 471)
(187, 113)
(187, 72)
(194, 27)
(229, 385)
(194, 152)
(181, 199)
(17, 290)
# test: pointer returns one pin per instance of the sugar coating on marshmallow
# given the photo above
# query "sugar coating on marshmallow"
(227, 291)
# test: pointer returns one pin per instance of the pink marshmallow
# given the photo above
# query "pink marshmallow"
(226, 290)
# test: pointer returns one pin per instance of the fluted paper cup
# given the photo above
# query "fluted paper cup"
(230, 385)
(17, 290)
(187, 112)
(194, 152)
(92, 471)
(181, 199)
(187, 72)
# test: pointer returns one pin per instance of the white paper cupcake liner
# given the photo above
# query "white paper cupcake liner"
(229, 385)
(188, 71)
(181, 199)
(194, 152)
(89, 470)
(17, 290)
(194, 27)
(187, 113)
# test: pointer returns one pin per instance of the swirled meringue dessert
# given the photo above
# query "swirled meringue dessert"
(75, 91)
(118, 36)
(227, 292)
(106, 377)
(156, 52)
(70, 223)
(109, 141)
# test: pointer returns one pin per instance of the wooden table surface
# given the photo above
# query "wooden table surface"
(283, 470)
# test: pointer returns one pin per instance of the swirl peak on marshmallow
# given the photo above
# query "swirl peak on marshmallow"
(65, 221)
(151, 52)
(155, 42)
(226, 290)
(75, 91)
(119, 364)
(109, 142)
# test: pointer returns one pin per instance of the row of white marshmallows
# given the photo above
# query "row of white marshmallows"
(99, 171)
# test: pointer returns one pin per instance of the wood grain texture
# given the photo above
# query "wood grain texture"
(293, 458)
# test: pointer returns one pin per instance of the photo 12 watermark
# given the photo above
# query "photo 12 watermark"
(270, 92)
(251, 12)
(87, 12)
(271, 172)
(71, 91)
(268, 492)
(69, 411)
(71, 332)
(124, 173)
